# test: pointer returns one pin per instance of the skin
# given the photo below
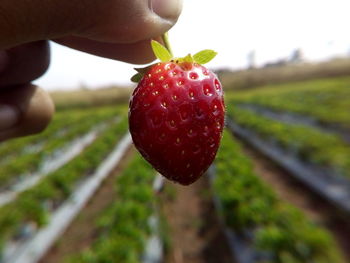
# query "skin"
(117, 29)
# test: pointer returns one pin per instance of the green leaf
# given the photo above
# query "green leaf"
(145, 69)
(137, 77)
(160, 51)
(188, 58)
(204, 56)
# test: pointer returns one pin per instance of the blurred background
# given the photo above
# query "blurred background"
(278, 191)
(244, 33)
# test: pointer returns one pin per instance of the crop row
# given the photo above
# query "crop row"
(124, 227)
(251, 209)
(60, 124)
(31, 162)
(308, 144)
(36, 204)
(326, 100)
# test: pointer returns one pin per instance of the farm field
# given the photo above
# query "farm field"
(304, 126)
(325, 101)
(278, 191)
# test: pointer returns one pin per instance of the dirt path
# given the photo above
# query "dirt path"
(195, 233)
(294, 192)
(81, 232)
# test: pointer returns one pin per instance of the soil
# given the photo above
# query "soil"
(81, 233)
(299, 195)
(195, 232)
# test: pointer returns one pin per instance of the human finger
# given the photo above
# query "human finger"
(23, 63)
(24, 110)
(112, 21)
(135, 53)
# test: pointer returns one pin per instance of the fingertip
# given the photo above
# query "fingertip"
(37, 112)
(130, 21)
(34, 110)
(166, 9)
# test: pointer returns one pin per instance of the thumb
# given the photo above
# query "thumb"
(114, 21)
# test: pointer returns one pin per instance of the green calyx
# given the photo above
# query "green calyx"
(164, 54)
(161, 52)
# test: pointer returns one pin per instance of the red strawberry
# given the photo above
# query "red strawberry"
(176, 118)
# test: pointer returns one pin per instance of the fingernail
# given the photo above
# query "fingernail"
(9, 116)
(167, 9)
(3, 60)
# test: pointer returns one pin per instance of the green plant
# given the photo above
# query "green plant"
(124, 227)
(326, 100)
(248, 204)
(57, 186)
(309, 144)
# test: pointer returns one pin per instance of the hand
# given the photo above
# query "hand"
(117, 29)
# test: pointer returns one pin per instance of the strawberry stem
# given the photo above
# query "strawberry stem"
(165, 39)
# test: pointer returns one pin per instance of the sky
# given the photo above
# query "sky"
(233, 28)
